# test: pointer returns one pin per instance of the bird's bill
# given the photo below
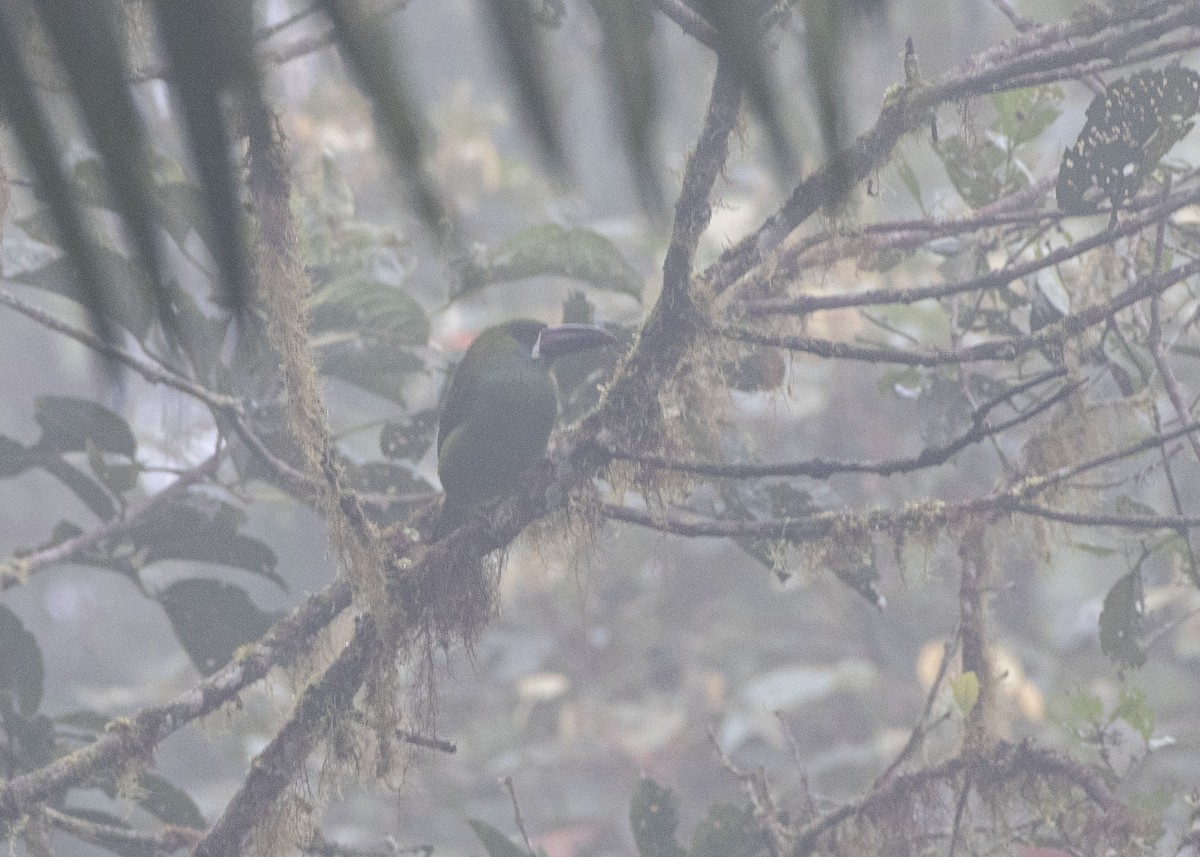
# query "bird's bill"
(564, 339)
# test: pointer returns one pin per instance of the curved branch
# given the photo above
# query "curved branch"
(804, 304)
(136, 738)
(148, 369)
(995, 349)
(121, 839)
(1051, 48)
(277, 766)
(1140, 523)
(998, 764)
(17, 570)
(822, 468)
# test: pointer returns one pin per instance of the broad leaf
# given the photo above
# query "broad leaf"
(628, 29)
(21, 668)
(212, 620)
(1122, 621)
(200, 529)
(169, 803)
(980, 172)
(1023, 114)
(368, 51)
(551, 250)
(519, 35)
(72, 425)
(654, 817)
(371, 309)
(729, 831)
(210, 47)
(495, 843)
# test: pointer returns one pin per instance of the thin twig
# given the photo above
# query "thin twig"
(995, 349)
(759, 790)
(148, 369)
(805, 304)
(123, 839)
(433, 743)
(517, 817)
(17, 570)
(923, 727)
(820, 468)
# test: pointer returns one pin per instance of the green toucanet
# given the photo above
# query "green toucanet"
(500, 409)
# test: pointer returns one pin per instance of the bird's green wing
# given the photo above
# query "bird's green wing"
(463, 389)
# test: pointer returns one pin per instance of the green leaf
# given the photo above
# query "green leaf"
(35, 135)
(909, 176)
(965, 689)
(740, 43)
(409, 436)
(82, 486)
(117, 478)
(1122, 621)
(825, 35)
(765, 500)
(202, 336)
(30, 744)
(21, 669)
(1126, 505)
(495, 843)
(863, 578)
(1023, 114)
(212, 620)
(15, 459)
(1086, 708)
(88, 42)
(653, 818)
(379, 368)
(369, 308)
(550, 250)
(910, 379)
(979, 171)
(168, 803)
(728, 831)
(1094, 550)
(41, 226)
(1134, 710)
(200, 529)
(180, 210)
(70, 425)
(85, 720)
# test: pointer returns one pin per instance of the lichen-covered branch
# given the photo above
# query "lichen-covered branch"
(276, 767)
(128, 740)
(822, 468)
(1051, 49)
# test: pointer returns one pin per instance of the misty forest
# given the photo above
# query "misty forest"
(600, 428)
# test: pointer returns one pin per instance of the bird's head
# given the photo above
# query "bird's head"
(563, 339)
